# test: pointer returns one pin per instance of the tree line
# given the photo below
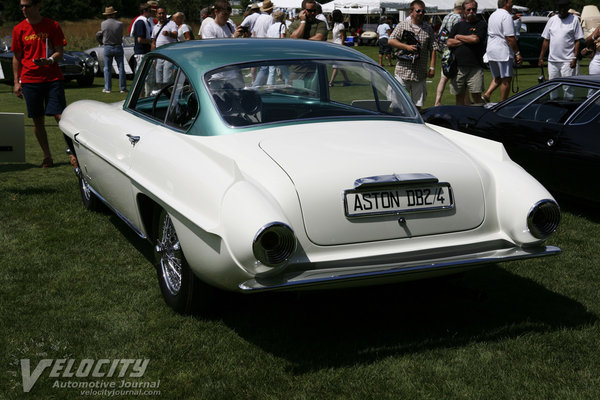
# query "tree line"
(73, 10)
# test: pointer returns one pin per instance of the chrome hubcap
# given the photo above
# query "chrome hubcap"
(170, 255)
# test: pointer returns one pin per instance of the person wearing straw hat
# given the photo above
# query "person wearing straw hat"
(111, 32)
(264, 20)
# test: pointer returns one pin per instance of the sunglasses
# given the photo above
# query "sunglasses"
(419, 11)
(311, 10)
(471, 9)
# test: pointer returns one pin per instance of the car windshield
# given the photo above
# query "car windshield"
(548, 104)
(278, 91)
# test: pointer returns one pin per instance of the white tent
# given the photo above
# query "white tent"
(287, 3)
(353, 6)
(374, 6)
(369, 6)
(439, 5)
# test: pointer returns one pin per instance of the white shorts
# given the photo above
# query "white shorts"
(416, 89)
(557, 69)
(501, 69)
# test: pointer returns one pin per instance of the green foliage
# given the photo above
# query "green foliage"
(191, 8)
(74, 10)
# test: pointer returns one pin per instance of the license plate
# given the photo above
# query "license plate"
(398, 200)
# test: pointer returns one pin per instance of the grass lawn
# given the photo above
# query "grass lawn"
(78, 285)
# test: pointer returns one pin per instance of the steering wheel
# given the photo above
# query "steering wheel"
(160, 93)
(550, 111)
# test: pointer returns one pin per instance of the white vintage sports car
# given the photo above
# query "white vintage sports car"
(248, 172)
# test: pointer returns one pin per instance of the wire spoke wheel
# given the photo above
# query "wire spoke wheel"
(170, 255)
(180, 287)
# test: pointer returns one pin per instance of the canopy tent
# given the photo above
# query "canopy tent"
(369, 6)
(353, 6)
(286, 3)
(374, 6)
(439, 5)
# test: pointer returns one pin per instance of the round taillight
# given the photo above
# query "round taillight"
(543, 219)
(274, 244)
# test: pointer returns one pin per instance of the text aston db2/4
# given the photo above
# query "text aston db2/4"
(247, 172)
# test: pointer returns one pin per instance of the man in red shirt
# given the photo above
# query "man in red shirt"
(37, 45)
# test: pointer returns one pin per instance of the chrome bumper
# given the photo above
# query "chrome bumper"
(359, 275)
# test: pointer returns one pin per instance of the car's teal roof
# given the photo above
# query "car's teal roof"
(205, 55)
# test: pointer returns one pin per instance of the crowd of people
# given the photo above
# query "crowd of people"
(464, 40)
(467, 42)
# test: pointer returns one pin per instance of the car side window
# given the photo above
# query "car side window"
(184, 104)
(153, 91)
(589, 114)
(514, 106)
(556, 106)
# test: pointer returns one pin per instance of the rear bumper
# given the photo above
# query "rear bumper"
(363, 275)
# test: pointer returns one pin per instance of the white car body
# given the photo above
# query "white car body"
(220, 193)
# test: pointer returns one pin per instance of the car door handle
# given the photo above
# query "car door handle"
(133, 139)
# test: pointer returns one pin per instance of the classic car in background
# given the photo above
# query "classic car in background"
(530, 38)
(98, 54)
(75, 65)
(285, 183)
(551, 130)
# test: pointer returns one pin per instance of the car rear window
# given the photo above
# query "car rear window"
(279, 91)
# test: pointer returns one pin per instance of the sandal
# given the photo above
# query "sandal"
(47, 162)
(331, 84)
(485, 99)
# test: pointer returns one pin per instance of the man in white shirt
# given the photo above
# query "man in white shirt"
(561, 34)
(222, 26)
(164, 32)
(502, 50)
(207, 16)
(264, 20)
(251, 17)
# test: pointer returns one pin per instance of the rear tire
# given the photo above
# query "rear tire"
(180, 288)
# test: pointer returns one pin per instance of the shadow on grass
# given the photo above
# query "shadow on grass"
(16, 167)
(141, 244)
(320, 329)
(332, 328)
